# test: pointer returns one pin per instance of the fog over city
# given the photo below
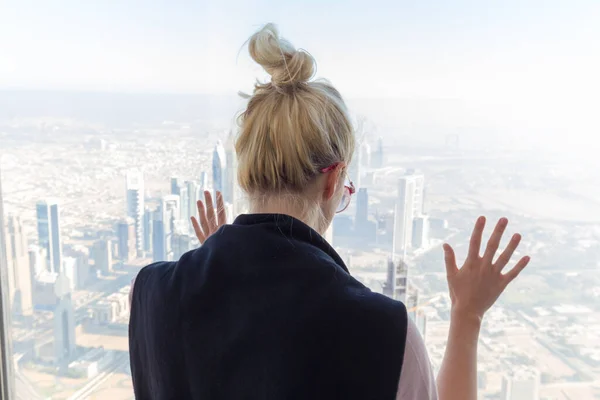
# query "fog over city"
(114, 120)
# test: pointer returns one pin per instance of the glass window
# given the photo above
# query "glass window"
(115, 116)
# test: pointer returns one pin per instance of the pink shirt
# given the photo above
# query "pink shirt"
(417, 381)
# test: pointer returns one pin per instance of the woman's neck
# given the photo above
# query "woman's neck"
(307, 213)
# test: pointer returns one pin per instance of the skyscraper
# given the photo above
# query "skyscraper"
(193, 197)
(219, 165)
(135, 205)
(175, 185)
(48, 224)
(420, 236)
(102, 253)
(409, 205)
(229, 188)
(126, 239)
(148, 216)
(396, 284)
(64, 322)
(362, 208)
(20, 288)
(6, 359)
(163, 225)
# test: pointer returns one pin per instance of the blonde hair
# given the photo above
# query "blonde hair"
(292, 126)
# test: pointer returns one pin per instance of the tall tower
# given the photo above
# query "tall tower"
(18, 266)
(6, 359)
(409, 205)
(126, 239)
(135, 205)
(148, 216)
(396, 284)
(64, 322)
(48, 224)
(193, 197)
(219, 165)
(229, 189)
(162, 228)
(362, 209)
(102, 252)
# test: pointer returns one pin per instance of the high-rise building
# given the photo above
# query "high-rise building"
(184, 209)
(37, 260)
(522, 383)
(175, 185)
(408, 206)
(219, 165)
(64, 322)
(420, 236)
(362, 209)
(148, 216)
(20, 286)
(163, 225)
(7, 362)
(48, 224)
(126, 239)
(3, 240)
(102, 253)
(203, 182)
(193, 197)
(135, 205)
(229, 187)
(396, 284)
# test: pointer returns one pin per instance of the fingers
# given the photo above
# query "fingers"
(516, 270)
(504, 258)
(475, 243)
(203, 220)
(210, 212)
(450, 260)
(221, 213)
(494, 242)
(199, 234)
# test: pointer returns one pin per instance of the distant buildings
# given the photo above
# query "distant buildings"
(64, 322)
(219, 165)
(409, 205)
(229, 189)
(162, 228)
(522, 383)
(19, 273)
(102, 254)
(126, 239)
(420, 232)
(48, 224)
(135, 206)
(396, 284)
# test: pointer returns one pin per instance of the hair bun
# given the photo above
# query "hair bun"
(286, 65)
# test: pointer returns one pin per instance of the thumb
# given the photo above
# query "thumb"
(450, 260)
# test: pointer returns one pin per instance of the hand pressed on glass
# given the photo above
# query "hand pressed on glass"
(479, 282)
(210, 219)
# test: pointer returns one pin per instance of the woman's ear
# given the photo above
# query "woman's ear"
(332, 180)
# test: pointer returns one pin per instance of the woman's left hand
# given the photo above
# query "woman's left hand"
(210, 219)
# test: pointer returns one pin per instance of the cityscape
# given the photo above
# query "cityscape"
(86, 205)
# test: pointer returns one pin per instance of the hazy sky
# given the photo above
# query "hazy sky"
(368, 48)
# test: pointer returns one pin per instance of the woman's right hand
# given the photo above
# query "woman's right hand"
(210, 220)
(479, 282)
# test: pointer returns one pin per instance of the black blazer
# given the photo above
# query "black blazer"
(265, 309)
